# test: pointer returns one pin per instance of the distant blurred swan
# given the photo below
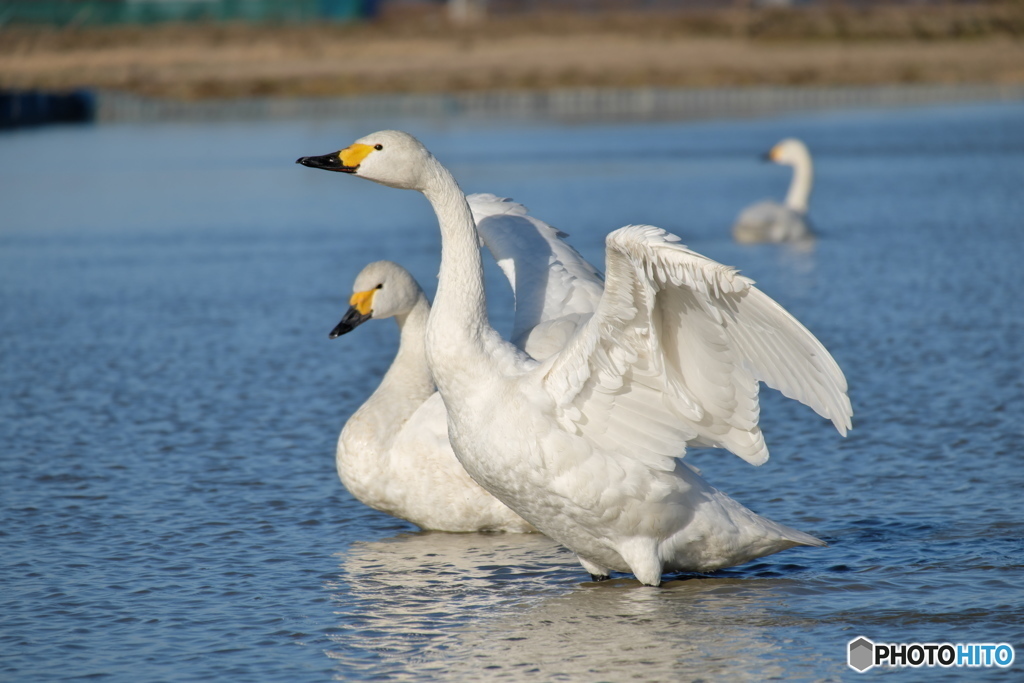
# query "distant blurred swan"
(393, 453)
(584, 444)
(769, 221)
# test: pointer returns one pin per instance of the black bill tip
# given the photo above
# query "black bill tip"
(350, 321)
(327, 162)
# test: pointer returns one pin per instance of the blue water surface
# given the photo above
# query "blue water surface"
(169, 509)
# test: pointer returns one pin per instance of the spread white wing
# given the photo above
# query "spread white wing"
(556, 290)
(674, 354)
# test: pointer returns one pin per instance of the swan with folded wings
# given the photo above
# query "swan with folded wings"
(393, 452)
(584, 444)
(770, 221)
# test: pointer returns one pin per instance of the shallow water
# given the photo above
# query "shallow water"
(170, 509)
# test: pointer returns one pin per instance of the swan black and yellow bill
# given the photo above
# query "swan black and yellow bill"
(345, 161)
(361, 310)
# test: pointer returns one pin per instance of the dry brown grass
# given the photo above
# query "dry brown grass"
(976, 43)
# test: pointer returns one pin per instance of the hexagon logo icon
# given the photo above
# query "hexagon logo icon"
(860, 654)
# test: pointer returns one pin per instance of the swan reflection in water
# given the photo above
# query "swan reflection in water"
(436, 606)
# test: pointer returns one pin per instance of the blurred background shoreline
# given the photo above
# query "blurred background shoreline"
(425, 55)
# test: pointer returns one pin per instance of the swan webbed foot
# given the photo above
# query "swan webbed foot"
(596, 571)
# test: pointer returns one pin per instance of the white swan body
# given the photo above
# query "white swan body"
(393, 453)
(584, 444)
(769, 221)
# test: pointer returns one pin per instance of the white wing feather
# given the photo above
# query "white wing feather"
(556, 290)
(674, 354)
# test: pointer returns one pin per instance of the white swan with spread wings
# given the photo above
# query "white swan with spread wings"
(584, 444)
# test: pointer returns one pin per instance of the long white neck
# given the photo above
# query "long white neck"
(458, 322)
(800, 188)
(367, 437)
(408, 382)
(404, 387)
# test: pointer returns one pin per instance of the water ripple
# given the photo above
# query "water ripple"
(170, 509)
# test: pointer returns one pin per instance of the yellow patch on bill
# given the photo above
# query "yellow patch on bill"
(362, 301)
(354, 154)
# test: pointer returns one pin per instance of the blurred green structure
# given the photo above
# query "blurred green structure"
(112, 12)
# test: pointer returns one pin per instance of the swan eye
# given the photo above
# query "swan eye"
(380, 286)
(378, 147)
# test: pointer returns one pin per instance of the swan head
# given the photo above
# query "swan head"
(382, 289)
(388, 157)
(788, 152)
